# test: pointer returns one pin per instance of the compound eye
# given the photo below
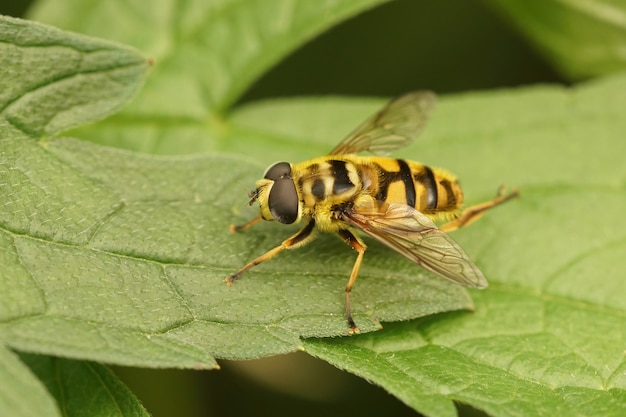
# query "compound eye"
(278, 170)
(283, 200)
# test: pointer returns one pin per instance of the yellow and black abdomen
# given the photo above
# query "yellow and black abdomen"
(432, 191)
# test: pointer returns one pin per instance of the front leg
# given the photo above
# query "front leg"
(304, 236)
(238, 228)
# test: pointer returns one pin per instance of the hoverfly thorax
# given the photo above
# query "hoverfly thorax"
(277, 194)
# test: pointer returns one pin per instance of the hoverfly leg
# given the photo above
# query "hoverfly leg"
(473, 213)
(356, 244)
(238, 228)
(301, 238)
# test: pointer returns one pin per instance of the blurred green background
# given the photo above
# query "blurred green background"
(444, 45)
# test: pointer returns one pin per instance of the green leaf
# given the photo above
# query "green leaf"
(51, 82)
(21, 393)
(146, 276)
(120, 257)
(206, 55)
(582, 38)
(549, 333)
(83, 388)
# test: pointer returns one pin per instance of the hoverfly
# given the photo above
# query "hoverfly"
(395, 201)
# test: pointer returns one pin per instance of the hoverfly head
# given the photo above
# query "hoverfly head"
(277, 194)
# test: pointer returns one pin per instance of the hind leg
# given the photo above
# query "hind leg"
(473, 213)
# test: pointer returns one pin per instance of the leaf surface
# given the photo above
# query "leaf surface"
(549, 332)
(117, 256)
(206, 54)
(582, 38)
(21, 393)
(120, 257)
(84, 388)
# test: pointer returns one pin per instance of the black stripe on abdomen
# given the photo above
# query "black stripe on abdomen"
(385, 178)
(427, 178)
(407, 179)
(451, 197)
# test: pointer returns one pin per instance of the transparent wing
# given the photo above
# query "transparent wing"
(414, 235)
(394, 126)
